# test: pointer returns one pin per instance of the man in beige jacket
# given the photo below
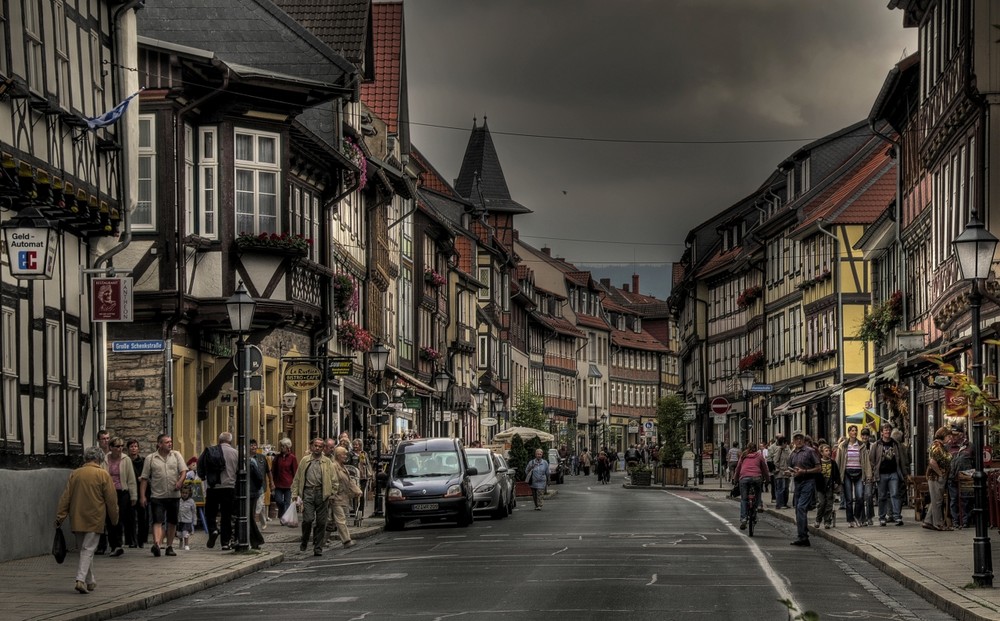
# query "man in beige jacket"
(89, 497)
(314, 484)
(344, 497)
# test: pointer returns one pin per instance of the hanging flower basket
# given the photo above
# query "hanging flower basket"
(434, 279)
(752, 362)
(274, 241)
(345, 295)
(354, 336)
(357, 157)
(882, 319)
(749, 296)
(429, 354)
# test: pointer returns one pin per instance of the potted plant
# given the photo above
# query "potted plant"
(354, 336)
(882, 319)
(434, 279)
(345, 295)
(517, 460)
(429, 354)
(641, 476)
(671, 428)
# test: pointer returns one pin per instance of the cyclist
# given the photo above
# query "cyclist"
(750, 469)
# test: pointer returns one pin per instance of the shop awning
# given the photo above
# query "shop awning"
(809, 397)
(409, 379)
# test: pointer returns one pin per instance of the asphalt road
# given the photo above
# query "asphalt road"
(593, 552)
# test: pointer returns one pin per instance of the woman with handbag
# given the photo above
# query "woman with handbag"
(89, 497)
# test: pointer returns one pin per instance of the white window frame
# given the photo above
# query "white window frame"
(72, 392)
(144, 219)
(189, 181)
(53, 372)
(8, 369)
(208, 182)
(34, 48)
(61, 48)
(259, 169)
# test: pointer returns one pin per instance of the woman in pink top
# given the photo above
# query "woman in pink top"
(752, 468)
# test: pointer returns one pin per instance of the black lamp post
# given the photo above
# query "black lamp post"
(975, 248)
(241, 308)
(746, 383)
(480, 395)
(442, 381)
(699, 399)
(378, 358)
(604, 429)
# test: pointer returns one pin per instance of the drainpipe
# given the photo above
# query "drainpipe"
(99, 352)
(840, 314)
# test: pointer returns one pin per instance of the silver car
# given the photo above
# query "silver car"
(491, 488)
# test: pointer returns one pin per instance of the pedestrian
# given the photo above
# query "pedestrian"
(733, 458)
(127, 492)
(780, 454)
(536, 473)
(343, 498)
(870, 486)
(750, 470)
(766, 478)
(889, 469)
(163, 473)
(585, 462)
(827, 485)
(938, 467)
(313, 486)
(856, 468)
(103, 441)
(89, 496)
(260, 481)
(960, 487)
(187, 514)
(804, 464)
(364, 472)
(137, 537)
(603, 468)
(283, 467)
(218, 467)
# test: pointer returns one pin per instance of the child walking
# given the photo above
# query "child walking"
(186, 515)
(827, 485)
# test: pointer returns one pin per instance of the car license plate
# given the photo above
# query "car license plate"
(427, 506)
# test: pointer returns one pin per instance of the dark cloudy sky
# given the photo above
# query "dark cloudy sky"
(700, 74)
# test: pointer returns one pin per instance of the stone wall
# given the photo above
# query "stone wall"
(135, 397)
(27, 521)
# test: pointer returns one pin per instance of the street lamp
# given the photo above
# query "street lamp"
(746, 382)
(699, 468)
(480, 395)
(241, 308)
(442, 381)
(975, 248)
(604, 427)
(315, 407)
(31, 242)
(378, 359)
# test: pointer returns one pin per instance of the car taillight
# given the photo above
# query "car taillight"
(454, 490)
(394, 494)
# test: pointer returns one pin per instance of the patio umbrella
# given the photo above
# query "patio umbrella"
(526, 433)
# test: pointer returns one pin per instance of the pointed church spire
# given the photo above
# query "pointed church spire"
(481, 167)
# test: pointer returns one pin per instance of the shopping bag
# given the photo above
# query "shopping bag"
(59, 546)
(290, 517)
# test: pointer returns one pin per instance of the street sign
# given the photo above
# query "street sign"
(256, 358)
(650, 424)
(489, 421)
(256, 382)
(137, 347)
(746, 424)
(379, 400)
(339, 368)
(762, 388)
(412, 402)
(719, 419)
(720, 405)
(302, 376)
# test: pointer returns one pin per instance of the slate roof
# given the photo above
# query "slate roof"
(481, 178)
(383, 94)
(344, 25)
(249, 32)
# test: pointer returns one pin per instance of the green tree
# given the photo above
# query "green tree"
(518, 458)
(672, 429)
(529, 409)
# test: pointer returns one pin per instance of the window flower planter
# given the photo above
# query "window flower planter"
(749, 296)
(357, 157)
(434, 279)
(752, 362)
(274, 242)
(345, 295)
(354, 336)
(430, 354)
(882, 320)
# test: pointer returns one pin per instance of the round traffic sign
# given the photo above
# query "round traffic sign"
(379, 400)
(746, 424)
(720, 405)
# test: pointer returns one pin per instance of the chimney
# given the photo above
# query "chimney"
(606, 282)
(625, 287)
(635, 284)
(547, 251)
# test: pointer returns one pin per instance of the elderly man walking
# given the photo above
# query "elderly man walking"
(164, 472)
(314, 484)
(89, 497)
(217, 466)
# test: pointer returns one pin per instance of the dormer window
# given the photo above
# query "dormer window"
(637, 325)
(621, 322)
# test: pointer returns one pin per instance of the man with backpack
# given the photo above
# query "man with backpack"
(217, 467)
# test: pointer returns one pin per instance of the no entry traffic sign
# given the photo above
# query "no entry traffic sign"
(720, 405)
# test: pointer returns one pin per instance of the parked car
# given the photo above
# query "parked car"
(557, 466)
(429, 479)
(510, 474)
(492, 489)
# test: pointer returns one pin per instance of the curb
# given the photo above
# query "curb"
(928, 586)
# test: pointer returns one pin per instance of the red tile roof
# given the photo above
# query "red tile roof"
(592, 322)
(382, 95)
(642, 340)
(859, 197)
(719, 260)
(559, 325)
(431, 178)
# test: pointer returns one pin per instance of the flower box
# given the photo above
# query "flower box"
(749, 296)
(752, 361)
(345, 295)
(434, 279)
(354, 336)
(280, 242)
(430, 354)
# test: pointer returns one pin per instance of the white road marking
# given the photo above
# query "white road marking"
(558, 551)
(773, 576)
(270, 603)
(397, 576)
(652, 582)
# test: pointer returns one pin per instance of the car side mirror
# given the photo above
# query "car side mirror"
(471, 472)
(501, 470)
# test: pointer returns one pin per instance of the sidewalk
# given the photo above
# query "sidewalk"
(937, 566)
(39, 588)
